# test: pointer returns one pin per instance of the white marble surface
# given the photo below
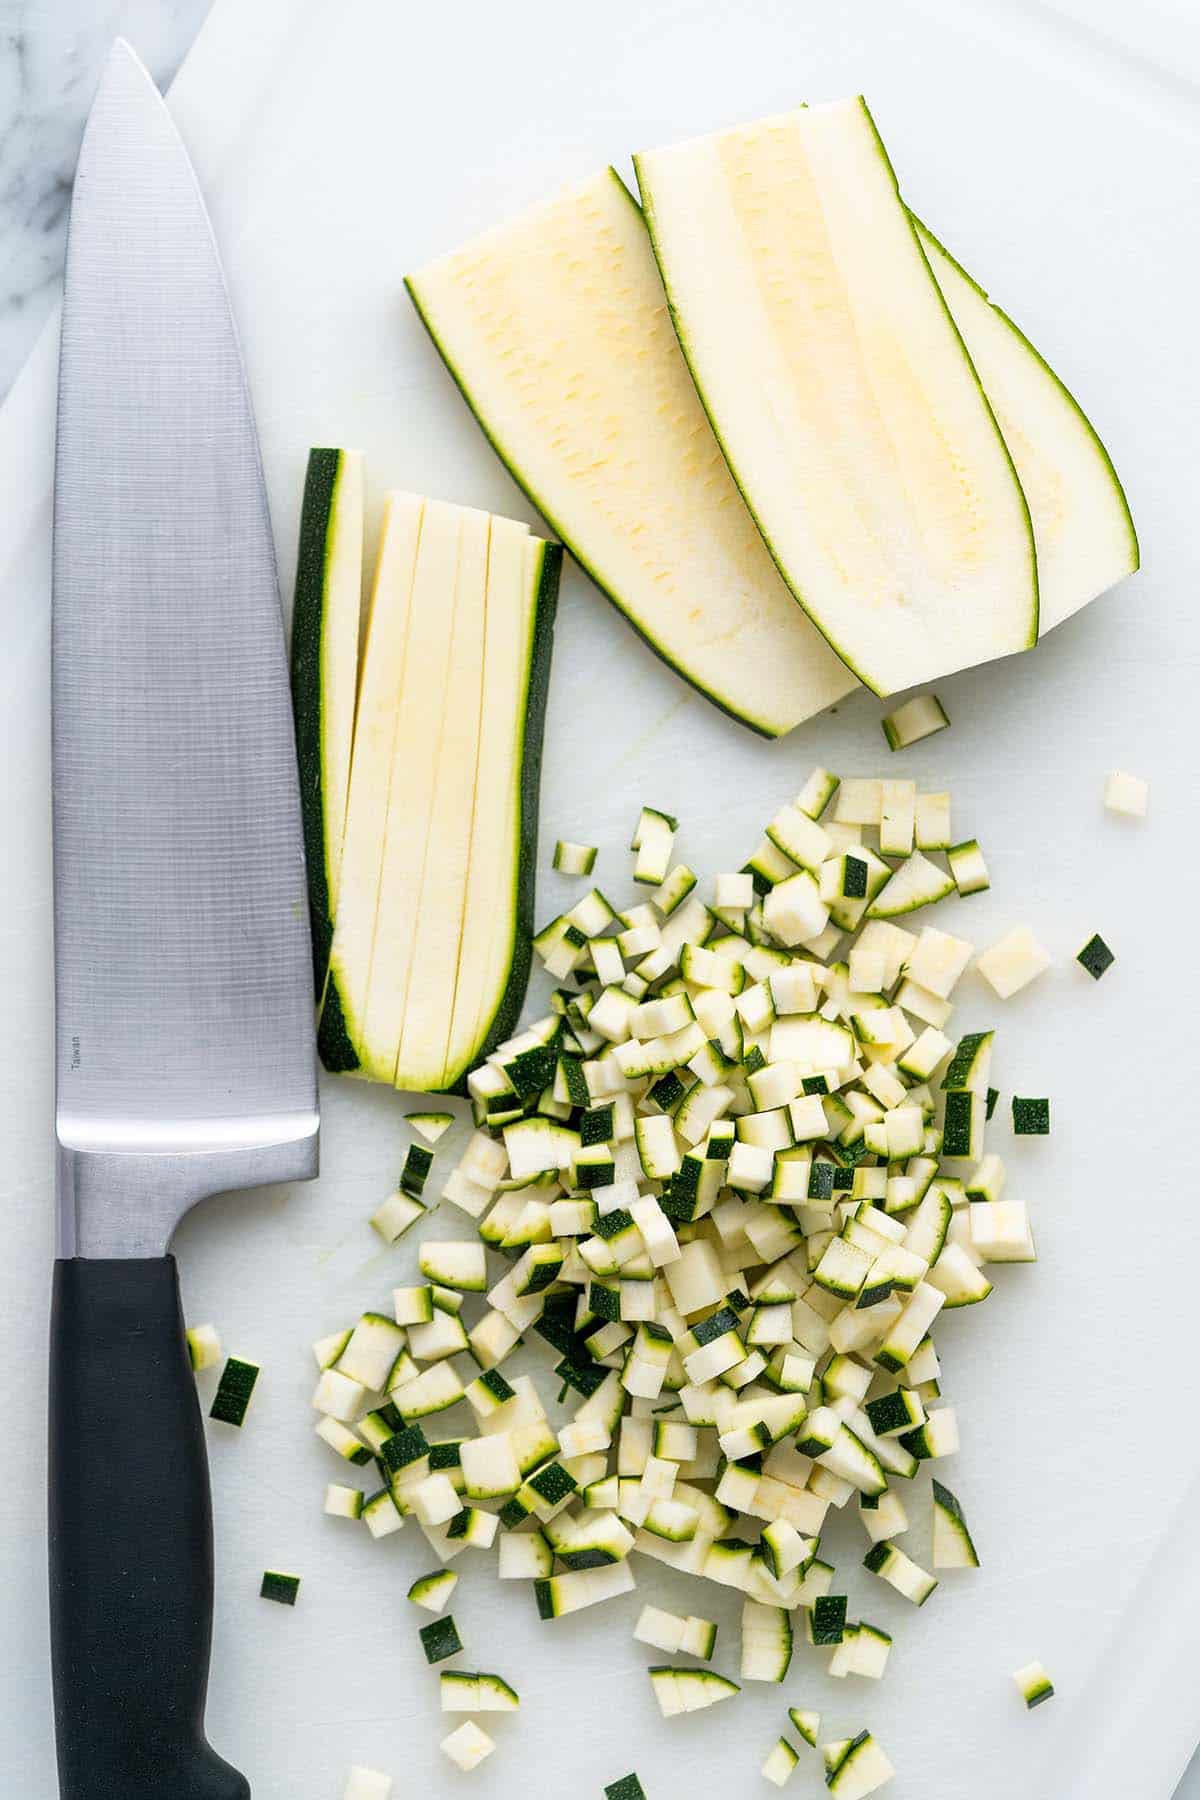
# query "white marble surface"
(50, 57)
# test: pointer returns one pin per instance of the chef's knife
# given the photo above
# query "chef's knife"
(184, 1037)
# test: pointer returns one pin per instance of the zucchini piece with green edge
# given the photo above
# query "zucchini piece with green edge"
(968, 867)
(862, 1769)
(916, 883)
(324, 667)
(464, 1692)
(343, 1502)
(811, 195)
(780, 1763)
(624, 464)
(953, 1546)
(559, 1595)
(1082, 525)
(432, 1592)
(890, 1563)
(429, 1125)
(689, 1690)
(807, 1724)
(233, 1391)
(431, 948)
(204, 1347)
(440, 1640)
(1033, 1685)
(279, 1587)
(574, 859)
(415, 1172)
(918, 718)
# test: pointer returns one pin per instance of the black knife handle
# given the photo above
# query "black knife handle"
(131, 1560)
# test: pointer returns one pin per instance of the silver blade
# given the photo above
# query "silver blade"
(184, 994)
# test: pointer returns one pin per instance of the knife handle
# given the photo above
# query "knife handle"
(131, 1560)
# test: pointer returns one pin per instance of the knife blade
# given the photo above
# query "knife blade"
(185, 1059)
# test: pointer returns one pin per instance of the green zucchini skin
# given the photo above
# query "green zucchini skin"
(537, 687)
(334, 1043)
(308, 625)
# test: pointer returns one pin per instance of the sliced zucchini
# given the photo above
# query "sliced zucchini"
(325, 630)
(624, 465)
(804, 305)
(918, 718)
(232, 1398)
(430, 952)
(1081, 521)
(279, 1587)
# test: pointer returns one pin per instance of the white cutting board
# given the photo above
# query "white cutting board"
(342, 142)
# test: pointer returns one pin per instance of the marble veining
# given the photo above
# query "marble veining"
(51, 53)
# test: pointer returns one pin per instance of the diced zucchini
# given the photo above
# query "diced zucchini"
(204, 1347)
(1031, 1118)
(1096, 957)
(234, 1389)
(280, 1587)
(468, 1746)
(1127, 794)
(780, 1764)
(574, 859)
(440, 1640)
(807, 1724)
(953, 1546)
(918, 718)
(1033, 1685)
(689, 1690)
(1013, 962)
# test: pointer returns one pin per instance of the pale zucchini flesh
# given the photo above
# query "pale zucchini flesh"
(842, 394)
(556, 330)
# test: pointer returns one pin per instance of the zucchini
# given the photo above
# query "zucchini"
(780, 1764)
(430, 1125)
(797, 283)
(279, 1587)
(232, 1398)
(1082, 525)
(1095, 957)
(440, 1640)
(204, 1347)
(689, 1690)
(807, 1724)
(1034, 1685)
(1031, 1118)
(623, 463)
(430, 951)
(953, 1545)
(324, 664)
(918, 718)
